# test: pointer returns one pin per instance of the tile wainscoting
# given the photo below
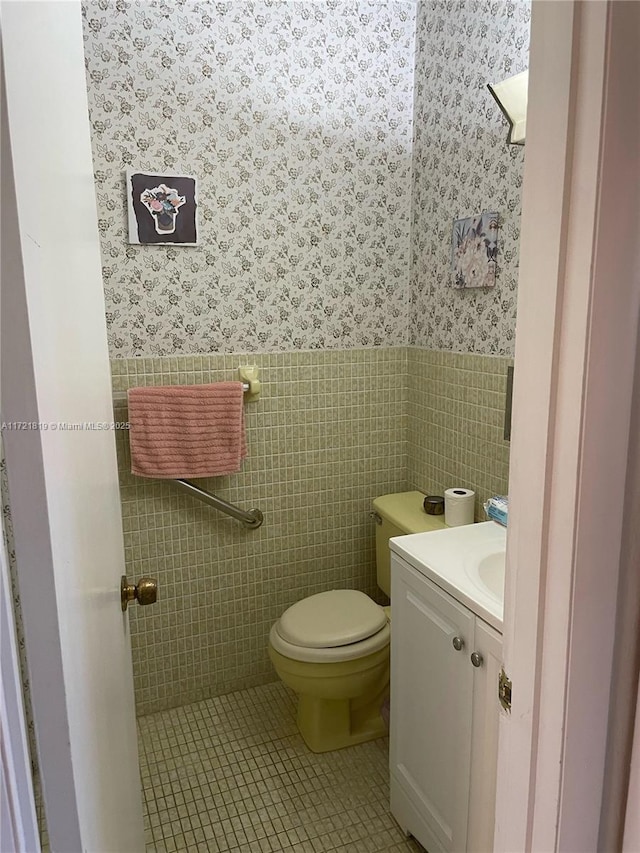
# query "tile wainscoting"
(331, 431)
(455, 408)
(326, 436)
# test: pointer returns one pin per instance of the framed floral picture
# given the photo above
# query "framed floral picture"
(474, 251)
(163, 209)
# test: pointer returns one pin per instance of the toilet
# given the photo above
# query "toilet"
(332, 648)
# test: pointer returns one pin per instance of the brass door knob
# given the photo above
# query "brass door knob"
(144, 592)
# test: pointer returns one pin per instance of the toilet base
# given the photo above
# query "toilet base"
(339, 702)
(329, 724)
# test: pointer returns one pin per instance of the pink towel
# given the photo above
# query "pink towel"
(180, 431)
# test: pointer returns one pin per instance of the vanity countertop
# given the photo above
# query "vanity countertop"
(468, 562)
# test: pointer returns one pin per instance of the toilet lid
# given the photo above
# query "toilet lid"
(331, 619)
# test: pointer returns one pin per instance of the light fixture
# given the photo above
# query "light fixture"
(511, 97)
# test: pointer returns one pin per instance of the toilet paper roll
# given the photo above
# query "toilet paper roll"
(459, 505)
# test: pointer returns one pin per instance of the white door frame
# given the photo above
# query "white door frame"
(575, 351)
(578, 301)
(18, 822)
(621, 822)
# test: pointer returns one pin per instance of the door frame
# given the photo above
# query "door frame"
(18, 821)
(576, 347)
(568, 343)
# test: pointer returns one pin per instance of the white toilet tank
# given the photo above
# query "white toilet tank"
(396, 515)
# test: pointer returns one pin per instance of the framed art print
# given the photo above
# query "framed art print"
(163, 208)
(474, 251)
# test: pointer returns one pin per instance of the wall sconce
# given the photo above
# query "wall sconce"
(511, 97)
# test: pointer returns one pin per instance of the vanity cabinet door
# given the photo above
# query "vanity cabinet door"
(484, 741)
(431, 711)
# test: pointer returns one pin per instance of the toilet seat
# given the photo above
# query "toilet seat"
(329, 619)
(340, 625)
(334, 654)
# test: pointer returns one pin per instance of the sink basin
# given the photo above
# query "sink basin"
(468, 562)
(490, 571)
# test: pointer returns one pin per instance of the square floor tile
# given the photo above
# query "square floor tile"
(232, 774)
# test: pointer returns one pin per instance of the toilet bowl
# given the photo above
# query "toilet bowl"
(332, 648)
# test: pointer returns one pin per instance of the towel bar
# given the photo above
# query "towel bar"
(121, 396)
(252, 518)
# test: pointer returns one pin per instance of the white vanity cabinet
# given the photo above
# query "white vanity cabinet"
(444, 716)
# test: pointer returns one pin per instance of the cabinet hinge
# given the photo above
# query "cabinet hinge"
(504, 690)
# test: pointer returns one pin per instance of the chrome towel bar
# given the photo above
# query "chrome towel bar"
(121, 396)
(249, 376)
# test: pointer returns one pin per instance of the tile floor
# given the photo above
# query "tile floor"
(233, 774)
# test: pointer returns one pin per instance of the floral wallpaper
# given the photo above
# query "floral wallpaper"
(296, 118)
(463, 166)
